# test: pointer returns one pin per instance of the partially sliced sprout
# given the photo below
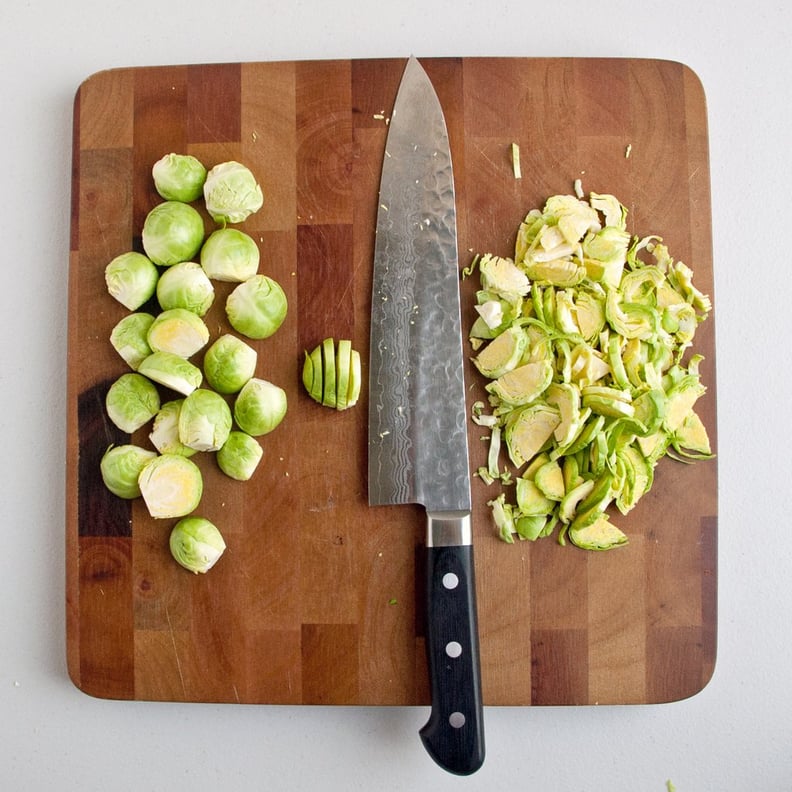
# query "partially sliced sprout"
(257, 307)
(331, 374)
(172, 371)
(229, 363)
(165, 432)
(259, 407)
(179, 177)
(178, 331)
(204, 420)
(240, 455)
(196, 544)
(185, 285)
(131, 401)
(171, 486)
(172, 232)
(131, 279)
(130, 338)
(121, 467)
(230, 255)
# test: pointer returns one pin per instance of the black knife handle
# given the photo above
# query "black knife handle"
(454, 733)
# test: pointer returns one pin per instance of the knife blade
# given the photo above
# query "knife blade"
(418, 449)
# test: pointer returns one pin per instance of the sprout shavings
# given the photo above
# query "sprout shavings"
(583, 344)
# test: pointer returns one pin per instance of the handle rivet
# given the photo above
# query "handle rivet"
(456, 720)
(450, 580)
(453, 649)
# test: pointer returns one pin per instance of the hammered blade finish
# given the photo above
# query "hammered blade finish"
(417, 416)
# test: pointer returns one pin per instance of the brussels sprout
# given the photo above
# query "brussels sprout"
(239, 456)
(121, 466)
(131, 279)
(172, 371)
(179, 177)
(230, 255)
(204, 420)
(257, 307)
(178, 331)
(165, 432)
(171, 486)
(185, 285)
(196, 544)
(130, 338)
(259, 407)
(131, 401)
(332, 376)
(229, 363)
(231, 193)
(172, 232)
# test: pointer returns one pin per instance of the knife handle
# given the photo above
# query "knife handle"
(454, 733)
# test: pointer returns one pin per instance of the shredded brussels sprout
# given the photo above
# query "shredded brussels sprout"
(583, 344)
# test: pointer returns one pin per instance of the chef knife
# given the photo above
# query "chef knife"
(417, 416)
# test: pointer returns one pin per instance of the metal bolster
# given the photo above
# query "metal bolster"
(448, 529)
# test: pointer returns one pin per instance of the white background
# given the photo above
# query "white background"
(734, 736)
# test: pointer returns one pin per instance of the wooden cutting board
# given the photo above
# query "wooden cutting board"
(317, 599)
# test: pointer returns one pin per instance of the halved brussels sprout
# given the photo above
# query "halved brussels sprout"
(171, 486)
(239, 456)
(165, 432)
(179, 332)
(179, 177)
(131, 279)
(257, 307)
(196, 544)
(230, 255)
(172, 371)
(259, 407)
(204, 420)
(131, 401)
(121, 467)
(187, 286)
(130, 338)
(231, 193)
(229, 363)
(172, 232)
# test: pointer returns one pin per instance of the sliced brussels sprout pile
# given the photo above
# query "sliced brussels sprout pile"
(332, 374)
(213, 406)
(583, 336)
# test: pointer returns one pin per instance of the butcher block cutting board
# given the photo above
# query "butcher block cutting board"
(317, 599)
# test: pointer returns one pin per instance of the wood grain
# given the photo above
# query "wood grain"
(318, 597)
